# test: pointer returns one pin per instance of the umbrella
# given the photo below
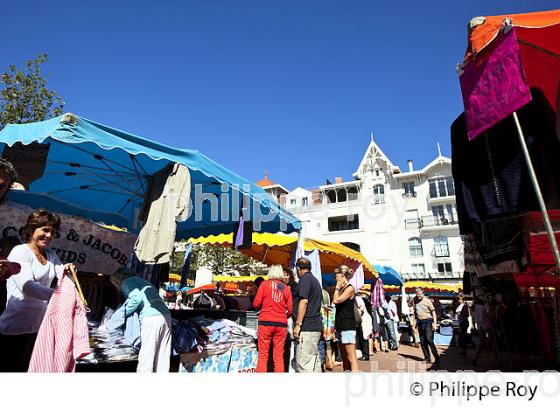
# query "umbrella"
(87, 169)
(278, 249)
(389, 276)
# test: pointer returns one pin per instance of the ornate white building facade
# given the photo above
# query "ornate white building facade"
(406, 220)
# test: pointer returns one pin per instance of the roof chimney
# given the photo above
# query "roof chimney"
(410, 166)
(338, 180)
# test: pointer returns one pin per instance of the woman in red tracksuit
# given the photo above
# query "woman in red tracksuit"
(274, 299)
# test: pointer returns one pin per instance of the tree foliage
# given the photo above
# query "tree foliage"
(24, 96)
(219, 260)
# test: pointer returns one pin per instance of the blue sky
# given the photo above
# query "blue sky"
(294, 87)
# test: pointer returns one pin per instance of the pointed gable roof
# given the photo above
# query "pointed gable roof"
(372, 154)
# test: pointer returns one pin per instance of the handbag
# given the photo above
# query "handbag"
(357, 314)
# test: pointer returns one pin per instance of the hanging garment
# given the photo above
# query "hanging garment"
(377, 294)
(490, 173)
(63, 335)
(556, 325)
(155, 274)
(357, 280)
(544, 330)
(315, 260)
(170, 203)
(186, 265)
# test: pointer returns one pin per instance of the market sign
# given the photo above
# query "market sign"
(91, 247)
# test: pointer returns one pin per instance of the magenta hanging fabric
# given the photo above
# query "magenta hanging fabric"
(493, 84)
(239, 235)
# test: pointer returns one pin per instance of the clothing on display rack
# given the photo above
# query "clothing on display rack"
(63, 335)
(168, 200)
(155, 274)
(499, 184)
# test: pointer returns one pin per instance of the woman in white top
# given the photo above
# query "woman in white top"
(28, 292)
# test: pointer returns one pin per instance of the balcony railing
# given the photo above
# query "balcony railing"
(438, 220)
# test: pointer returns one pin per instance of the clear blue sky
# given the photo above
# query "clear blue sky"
(292, 86)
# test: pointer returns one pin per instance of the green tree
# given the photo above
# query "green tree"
(218, 259)
(25, 97)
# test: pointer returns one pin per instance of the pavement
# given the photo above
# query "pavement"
(410, 359)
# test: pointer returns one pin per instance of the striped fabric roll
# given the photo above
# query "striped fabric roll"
(63, 335)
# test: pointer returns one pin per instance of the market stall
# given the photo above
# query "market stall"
(144, 190)
(508, 204)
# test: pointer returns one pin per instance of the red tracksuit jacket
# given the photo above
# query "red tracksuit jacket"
(274, 299)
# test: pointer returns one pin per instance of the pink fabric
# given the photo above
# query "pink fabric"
(377, 294)
(494, 85)
(63, 335)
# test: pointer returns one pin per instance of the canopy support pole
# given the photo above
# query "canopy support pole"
(542, 205)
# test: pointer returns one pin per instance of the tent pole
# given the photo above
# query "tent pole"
(546, 218)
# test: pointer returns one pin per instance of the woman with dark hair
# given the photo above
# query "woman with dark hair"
(29, 291)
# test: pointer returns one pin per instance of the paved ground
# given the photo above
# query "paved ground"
(408, 359)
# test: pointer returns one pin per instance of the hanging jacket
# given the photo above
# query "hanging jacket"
(63, 335)
(490, 174)
(492, 182)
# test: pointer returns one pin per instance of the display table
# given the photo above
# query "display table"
(233, 360)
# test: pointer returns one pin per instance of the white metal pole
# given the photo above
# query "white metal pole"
(538, 192)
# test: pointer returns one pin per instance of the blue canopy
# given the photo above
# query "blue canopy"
(102, 173)
(389, 276)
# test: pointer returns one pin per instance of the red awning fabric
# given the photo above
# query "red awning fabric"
(546, 280)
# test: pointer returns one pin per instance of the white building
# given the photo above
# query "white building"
(406, 220)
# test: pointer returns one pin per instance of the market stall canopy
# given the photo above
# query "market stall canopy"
(237, 279)
(389, 276)
(429, 288)
(79, 167)
(538, 35)
(279, 249)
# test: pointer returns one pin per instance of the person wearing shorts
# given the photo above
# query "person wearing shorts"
(345, 320)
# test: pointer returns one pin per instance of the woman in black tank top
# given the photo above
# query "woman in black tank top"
(345, 322)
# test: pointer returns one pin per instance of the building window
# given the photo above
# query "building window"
(352, 245)
(344, 223)
(409, 189)
(442, 187)
(441, 247)
(444, 269)
(377, 173)
(418, 268)
(305, 202)
(378, 194)
(293, 202)
(415, 247)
